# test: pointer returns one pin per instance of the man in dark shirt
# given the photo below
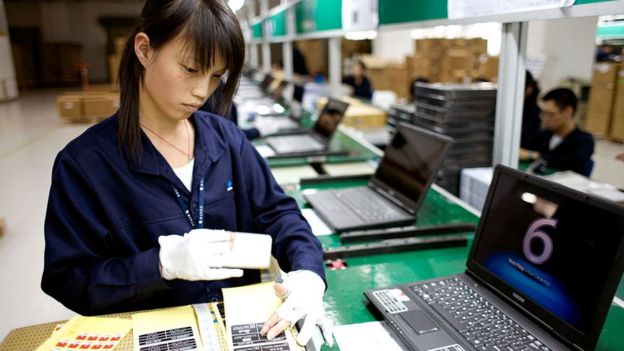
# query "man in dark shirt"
(561, 145)
(357, 80)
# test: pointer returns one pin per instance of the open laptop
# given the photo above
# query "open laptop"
(543, 269)
(286, 121)
(396, 190)
(314, 141)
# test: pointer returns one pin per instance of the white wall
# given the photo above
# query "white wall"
(566, 48)
(8, 81)
(394, 44)
(76, 22)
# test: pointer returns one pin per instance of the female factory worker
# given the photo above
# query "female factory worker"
(126, 191)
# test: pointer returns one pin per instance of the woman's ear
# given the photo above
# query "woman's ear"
(142, 48)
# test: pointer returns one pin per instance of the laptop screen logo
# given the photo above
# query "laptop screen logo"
(535, 234)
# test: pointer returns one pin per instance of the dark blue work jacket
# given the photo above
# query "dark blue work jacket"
(104, 218)
(573, 153)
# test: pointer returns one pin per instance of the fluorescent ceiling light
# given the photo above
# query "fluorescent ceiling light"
(236, 5)
(361, 35)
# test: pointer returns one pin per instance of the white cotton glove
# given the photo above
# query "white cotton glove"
(198, 255)
(302, 292)
(266, 126)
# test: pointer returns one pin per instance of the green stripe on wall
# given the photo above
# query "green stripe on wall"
(399, 11)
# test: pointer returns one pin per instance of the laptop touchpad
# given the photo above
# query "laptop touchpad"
(419, 321)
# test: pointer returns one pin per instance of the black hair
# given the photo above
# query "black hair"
(208, 28)
(529, 81)
(562, 97)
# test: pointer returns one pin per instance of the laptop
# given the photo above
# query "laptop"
(287, 121)
(253, 92)
(396, 190)
(541, 274)
(313, 141)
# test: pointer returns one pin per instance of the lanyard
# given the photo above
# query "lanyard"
(185, 208)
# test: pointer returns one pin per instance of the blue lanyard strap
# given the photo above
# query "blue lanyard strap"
(200, 219)
(185, 208)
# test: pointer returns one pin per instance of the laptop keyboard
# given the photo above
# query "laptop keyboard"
(369, 208)
(482, 324)
(295, 143)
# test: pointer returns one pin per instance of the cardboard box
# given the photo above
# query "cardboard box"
(597, 123)
(399, 79)
(100, 105)
(88, 107)
(617, 118)
(418, 66)
(365, 116)
(70, 106)
(433, 48)
(604, 74)
(487, 68)
(601, 100)
(617, 129)
(2, 226)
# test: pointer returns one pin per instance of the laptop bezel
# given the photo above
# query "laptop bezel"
(547, 320)
(395, 195)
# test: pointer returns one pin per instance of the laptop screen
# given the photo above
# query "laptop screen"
(410, 163)
(330, 117)
(298, 91)
(549, 249)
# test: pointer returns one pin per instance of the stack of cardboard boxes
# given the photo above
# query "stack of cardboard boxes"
(92, 106)
(387, 75)
(436, 60)
(98, 102)
(451, 60)
(601, 98)
(426, 62)
(617, 119)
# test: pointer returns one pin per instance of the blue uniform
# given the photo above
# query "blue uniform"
(573, 153)
(105, 215)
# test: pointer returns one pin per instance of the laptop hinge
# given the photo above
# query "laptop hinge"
(394, 200)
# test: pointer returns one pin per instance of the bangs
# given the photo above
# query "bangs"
(208, 36)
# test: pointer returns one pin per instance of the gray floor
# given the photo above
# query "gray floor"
(31, 134)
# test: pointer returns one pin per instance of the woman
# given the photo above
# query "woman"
(125, 191)
(358, 81)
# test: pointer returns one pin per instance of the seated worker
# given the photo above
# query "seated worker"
(561, 144)
(358, 81)
(139, 202)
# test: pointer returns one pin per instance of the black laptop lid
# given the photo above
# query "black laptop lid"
(551, 251)
(330, 117)
(298, 91)
(410, 164)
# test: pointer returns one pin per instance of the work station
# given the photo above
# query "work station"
(264, 175)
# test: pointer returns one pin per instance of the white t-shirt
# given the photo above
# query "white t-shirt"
(185, 173)
(555, 140)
